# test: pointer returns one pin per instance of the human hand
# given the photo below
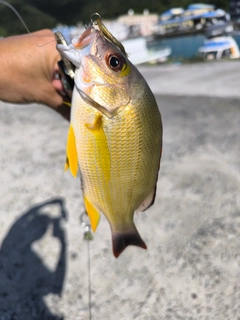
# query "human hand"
(29, 69)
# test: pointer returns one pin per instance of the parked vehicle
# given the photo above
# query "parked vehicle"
(218, 48)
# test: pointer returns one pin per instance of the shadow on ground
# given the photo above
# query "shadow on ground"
(24, 278)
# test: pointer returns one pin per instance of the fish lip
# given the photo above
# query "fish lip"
(84, 40)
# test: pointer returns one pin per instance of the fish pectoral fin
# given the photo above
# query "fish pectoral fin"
(94, 122)
(148, 202)
(122, 239)
(99, 143)
(71, 159)
(93, 214)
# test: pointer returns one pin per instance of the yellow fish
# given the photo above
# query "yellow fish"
(115, 134)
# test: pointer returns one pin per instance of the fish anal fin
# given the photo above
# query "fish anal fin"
(122, 239)
(72, 159)
(148, 202)
(93, 214)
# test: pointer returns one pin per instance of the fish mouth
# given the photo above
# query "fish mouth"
(78, 48)
(75, 53)
(85, 40)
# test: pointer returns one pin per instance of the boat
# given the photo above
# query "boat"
(197, 18)
(218, 48)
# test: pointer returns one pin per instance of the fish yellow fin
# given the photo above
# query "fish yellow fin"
(93, 214)
(102, 155)
(67, 103)
(94, 123)
(72, 159)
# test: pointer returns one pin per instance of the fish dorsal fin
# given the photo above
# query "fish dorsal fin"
(71, 151)
(148, 202)
(93, 214)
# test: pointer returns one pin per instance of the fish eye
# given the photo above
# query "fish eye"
(115, 62)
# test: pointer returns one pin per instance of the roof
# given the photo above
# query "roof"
(196, 6)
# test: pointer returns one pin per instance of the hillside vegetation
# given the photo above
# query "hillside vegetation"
(39, 14)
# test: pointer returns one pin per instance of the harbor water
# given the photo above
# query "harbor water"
(184, 46)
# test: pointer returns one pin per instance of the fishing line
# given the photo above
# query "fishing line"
(22, 21)
(89, 283)
(88, 236)
(16, 12)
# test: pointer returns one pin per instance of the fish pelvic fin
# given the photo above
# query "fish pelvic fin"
(67, 103)
(122, 239)
(93, 214)
(71, 151)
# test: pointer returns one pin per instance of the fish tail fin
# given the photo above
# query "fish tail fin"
(122, 239)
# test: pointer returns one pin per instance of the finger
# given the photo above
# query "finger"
(57, 84)
(51, 97)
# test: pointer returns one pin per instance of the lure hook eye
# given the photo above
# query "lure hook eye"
(95, 17)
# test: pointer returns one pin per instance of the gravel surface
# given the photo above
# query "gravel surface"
(191, 269)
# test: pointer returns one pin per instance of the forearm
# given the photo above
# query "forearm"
(8, 62)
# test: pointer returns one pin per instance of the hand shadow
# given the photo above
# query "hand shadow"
(24, 279)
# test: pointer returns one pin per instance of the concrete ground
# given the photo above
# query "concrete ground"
(191, 269)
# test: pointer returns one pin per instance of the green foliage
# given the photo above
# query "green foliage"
(33, 18)
(39, 14)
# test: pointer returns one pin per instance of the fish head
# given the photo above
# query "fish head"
(104, 77)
